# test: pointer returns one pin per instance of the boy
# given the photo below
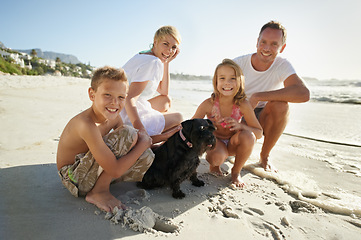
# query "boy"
(89, 156)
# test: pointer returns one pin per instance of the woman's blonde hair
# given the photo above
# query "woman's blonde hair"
(240, 95)
(167, 30)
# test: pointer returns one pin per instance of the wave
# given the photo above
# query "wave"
(336, 100)
(306, 190)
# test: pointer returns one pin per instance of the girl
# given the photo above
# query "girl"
(148, 73)
(226, 107)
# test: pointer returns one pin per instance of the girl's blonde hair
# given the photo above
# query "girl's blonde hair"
(167, 30)
(240, 95)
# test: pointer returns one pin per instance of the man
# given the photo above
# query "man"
(270, 84)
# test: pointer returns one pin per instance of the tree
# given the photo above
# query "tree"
(33, 53)
(57, 60)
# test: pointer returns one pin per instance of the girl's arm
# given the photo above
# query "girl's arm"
(251, 119)
(203, 109)
(135, 89)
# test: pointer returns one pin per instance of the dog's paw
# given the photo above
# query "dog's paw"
(198, 183)
(178, 194)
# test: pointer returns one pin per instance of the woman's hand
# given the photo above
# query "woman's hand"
(177, 51)
(166, 134)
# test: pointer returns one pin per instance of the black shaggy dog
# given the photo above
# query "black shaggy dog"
(178, 158)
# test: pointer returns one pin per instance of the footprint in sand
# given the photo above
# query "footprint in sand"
(261, 226)
(266, 228)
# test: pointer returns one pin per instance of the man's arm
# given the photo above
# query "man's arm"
(294, 91)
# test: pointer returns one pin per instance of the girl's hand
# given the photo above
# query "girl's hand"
(231, 123)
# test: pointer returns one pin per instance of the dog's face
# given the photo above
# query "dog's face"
(200, 133)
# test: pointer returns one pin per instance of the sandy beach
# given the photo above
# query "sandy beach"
(315, 195)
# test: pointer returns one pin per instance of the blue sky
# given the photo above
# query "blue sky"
(324, 38)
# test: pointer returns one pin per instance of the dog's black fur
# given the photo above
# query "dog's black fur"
(175, 161)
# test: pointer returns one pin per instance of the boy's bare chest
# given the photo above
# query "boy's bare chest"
(105, 128)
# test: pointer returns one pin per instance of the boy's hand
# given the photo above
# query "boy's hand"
(144, 138)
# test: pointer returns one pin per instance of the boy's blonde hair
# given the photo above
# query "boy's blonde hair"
(240, 95)
(107, 73)
(167, 30)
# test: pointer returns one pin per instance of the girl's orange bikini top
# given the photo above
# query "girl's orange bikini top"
(216, 112)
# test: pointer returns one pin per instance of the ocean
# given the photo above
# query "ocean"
(343, 95)
(336, 91)
(330, 91)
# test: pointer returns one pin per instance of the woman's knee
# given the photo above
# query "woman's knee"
(172, 119)
(178, 117)
(161, 103)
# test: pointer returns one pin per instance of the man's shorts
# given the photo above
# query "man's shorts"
(257, 112)
(80, 177)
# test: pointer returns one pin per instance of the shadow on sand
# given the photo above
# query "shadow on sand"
(34, 204)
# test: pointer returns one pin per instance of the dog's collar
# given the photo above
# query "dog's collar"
(189, 144)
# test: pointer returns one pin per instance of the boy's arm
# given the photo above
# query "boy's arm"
(104, 156)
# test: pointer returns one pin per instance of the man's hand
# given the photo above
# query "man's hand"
(253, 100)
